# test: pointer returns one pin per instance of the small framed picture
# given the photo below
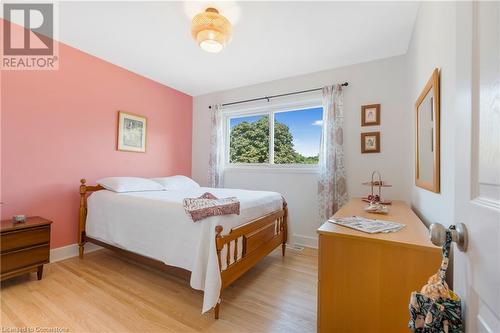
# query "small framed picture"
(370, 142)
(370, 115)
(131, 132)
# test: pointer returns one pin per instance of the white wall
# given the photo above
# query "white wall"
(383, 81)
(433, 45)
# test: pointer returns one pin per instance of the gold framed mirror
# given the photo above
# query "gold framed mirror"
(427, 154)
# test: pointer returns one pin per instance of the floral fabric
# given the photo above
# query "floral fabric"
(332, 185)
(436, 309)
(216, 160)
(209, 205)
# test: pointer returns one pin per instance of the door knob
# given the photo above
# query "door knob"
(437, 233)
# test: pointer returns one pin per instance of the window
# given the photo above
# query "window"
(279, 136)
(297, 136)
(249, 140)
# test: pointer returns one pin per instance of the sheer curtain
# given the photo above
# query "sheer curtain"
(216, 160)
(332, 187)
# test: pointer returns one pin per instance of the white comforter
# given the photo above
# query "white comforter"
(155, 224)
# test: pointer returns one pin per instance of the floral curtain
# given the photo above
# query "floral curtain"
(216, 160)
(332, 188)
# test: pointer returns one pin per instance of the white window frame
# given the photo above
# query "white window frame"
(267, 110)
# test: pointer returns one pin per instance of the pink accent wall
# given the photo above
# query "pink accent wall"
(60, 126)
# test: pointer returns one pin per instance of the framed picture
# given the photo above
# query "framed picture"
(131, 132)
(370, 115)
(370, 142)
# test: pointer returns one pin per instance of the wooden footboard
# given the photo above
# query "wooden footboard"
(245, 245)
(237, 251)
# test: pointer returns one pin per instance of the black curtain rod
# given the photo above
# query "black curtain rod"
(345, 84)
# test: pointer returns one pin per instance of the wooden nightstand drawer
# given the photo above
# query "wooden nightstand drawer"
(25, 247)
(25, 257)
(25, 238)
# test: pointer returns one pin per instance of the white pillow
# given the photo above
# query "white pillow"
(176, 183)
(129, 184)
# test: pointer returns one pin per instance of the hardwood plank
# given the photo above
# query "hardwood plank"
(106, 293)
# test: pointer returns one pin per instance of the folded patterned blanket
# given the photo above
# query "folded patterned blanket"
(209, 205)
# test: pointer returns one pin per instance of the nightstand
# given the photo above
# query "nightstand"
(25, 247)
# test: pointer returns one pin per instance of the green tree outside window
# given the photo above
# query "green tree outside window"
(249, 143)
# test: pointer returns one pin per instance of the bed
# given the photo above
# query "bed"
(154, 228)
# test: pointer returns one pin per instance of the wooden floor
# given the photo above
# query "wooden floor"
(105, 293)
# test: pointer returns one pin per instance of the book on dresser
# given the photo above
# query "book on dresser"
(365, 280)
(25, 247)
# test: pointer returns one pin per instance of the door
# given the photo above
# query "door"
(477, 162)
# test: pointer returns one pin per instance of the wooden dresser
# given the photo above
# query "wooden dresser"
(25, 247)
(365, 280)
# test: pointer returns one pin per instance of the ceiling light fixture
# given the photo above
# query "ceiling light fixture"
(211, 30)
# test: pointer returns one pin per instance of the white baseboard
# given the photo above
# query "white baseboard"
(70, 251)
(306, 241)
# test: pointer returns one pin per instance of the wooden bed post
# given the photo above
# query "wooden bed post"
(216, 310)
(85, 190)
(284, 227)
(82, 217)
(218, 231)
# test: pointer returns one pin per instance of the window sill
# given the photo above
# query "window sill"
(272, 169)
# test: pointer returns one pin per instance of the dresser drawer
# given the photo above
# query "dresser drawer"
(25, 257)
(24, 238)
